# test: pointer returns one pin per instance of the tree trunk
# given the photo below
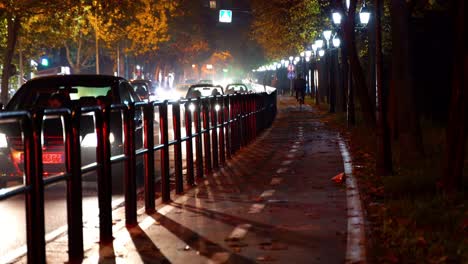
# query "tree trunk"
(409, 131)
(384, 165)
(13, 26)
(356, 68)
(458, 116)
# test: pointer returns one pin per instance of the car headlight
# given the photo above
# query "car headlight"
(217, 107)
(3, 141)
(191, 107)
(90, 140)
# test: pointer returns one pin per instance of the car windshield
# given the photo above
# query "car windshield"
(42, 96)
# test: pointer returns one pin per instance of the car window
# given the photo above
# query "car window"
(204, 91)
(30, 96)
(127, 95)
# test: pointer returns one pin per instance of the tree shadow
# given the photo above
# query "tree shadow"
(201, 244)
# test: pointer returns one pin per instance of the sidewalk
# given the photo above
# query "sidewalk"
(273, 202)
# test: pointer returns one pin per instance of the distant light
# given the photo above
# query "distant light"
(44, 62)
(194, 66)
(336, 16)
(327, 34)
(291, 58)
(138, 67)
(307, 58)
(336, 42)
(347, 4)
(308, 53)
(364, 15)
(302, 54)
(297, 58)
(225, 16)
(225, 70)
(321, 52)
(319, 43)
(209, 66)
(212, 4)
(314, 48)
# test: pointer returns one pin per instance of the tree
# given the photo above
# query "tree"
(282, 27)
(457, 127)
(407, 117)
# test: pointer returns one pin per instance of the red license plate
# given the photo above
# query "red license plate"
(52, 158)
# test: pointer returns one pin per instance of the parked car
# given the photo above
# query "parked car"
(62, 91)
(236, 88)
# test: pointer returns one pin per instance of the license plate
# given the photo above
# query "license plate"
(48, 158)
(52, 158)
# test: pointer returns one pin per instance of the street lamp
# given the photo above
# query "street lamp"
(327, 34)
(319, 43)
(336, 17)
(336, 41)
(321, 52)
(364, 14)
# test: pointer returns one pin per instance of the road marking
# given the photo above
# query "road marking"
(276, 181)
(355, 249)
(286, 162)
(239, 232)
(220, 257)
(256, 208)
(290, 156)
(282, 170)
(267, 193)
(293, 150)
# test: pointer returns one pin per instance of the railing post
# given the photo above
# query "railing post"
(103, 154)
(130, 167)
(188, 144)
(198, 138)
(74, 187)
(227, 120)
(35, 197)
(150, 206)
(179, 184)
(165, 182)
(214, 133)
(222, 145)
(241, 118)
(206, 135)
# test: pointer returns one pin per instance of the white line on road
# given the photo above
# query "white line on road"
(286, 162)
(355, 250)
(282, 170)
(256, 208)
(239, 232)
(267, 193)
(276, 181)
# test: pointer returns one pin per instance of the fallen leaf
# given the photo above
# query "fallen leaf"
(339, 178)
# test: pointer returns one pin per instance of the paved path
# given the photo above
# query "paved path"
(273, 202)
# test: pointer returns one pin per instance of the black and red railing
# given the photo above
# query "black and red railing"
(215, 129)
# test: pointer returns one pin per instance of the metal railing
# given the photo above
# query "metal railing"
(222, 125)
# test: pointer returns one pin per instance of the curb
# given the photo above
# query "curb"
(356, 240)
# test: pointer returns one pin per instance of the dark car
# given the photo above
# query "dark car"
(202, 90)
(143, 88)
(62, 92)
(236, 88)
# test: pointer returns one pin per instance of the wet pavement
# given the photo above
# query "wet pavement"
(273, 202)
